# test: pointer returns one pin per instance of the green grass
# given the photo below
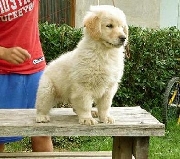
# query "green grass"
(167, 147)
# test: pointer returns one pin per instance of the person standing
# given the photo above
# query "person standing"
(21, 62)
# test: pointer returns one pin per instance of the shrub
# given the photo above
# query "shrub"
(57, 40)
(152, 62)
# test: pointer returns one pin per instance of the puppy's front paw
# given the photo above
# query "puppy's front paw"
(42, 118)
(88, 121)
(107, 120)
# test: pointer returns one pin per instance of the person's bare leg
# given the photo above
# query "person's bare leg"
(2, 146)
(42, 144)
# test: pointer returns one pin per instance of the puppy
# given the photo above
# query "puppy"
(91, 72)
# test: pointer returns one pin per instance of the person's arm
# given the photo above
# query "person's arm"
(14, 55)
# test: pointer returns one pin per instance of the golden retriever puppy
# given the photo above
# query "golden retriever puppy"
(91, 72)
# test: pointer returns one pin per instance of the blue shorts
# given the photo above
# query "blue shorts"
(18, 92)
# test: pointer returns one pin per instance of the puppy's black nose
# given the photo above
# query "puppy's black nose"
(122, 38)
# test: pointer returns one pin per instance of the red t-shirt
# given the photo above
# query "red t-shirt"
(19, 27)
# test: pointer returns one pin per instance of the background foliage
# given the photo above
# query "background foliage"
(152, 63)
(57, 40)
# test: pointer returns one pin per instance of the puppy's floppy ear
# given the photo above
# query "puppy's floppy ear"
(93, 26)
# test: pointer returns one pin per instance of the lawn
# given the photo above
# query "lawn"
(167, 147)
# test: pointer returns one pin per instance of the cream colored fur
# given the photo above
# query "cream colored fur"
(91, 72)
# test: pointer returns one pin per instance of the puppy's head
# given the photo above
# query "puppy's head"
(106, 24)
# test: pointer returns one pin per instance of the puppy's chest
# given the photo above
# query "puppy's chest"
(100, 74)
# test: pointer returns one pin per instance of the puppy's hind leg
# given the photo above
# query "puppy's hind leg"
(45, 99)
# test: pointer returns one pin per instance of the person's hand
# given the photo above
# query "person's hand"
(14, 55)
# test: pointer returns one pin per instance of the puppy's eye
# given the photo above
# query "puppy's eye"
(109, 26)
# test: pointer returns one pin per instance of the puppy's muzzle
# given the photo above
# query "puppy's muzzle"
(122, 39)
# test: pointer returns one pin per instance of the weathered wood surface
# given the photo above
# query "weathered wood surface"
(58, 155)
(129, 121)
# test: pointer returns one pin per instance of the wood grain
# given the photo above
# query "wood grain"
(129, 121)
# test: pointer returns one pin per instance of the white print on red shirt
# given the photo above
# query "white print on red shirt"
(36, 61)
(12, 9)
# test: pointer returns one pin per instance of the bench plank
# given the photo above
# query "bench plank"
(57, 155)
(129, 121)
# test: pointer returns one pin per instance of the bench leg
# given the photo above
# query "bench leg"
(141, 147)
(125, 147)
(122, 147)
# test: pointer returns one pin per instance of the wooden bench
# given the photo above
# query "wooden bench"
(131, 131)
